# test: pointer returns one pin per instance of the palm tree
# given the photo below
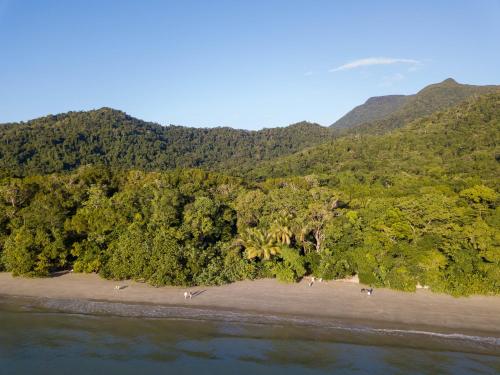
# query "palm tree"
(280, 233)
(258, 244)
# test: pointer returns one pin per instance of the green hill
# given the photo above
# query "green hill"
(463, 140)
(109, 137)
(112, 138)
(379, 115)
(375, 108)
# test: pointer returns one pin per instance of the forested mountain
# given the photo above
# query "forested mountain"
(110, 137)
(413, 205)
(375, 108)
(416, 206)
(381, 114)
(461, 141)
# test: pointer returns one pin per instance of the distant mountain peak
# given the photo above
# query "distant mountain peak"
(375, 108)
(388, 112)
(108, 109)
(450, 81)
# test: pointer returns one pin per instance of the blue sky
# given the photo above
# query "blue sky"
(245, 64)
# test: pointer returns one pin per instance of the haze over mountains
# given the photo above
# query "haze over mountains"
(110, 137)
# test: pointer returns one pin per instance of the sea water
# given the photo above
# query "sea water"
(36, 339)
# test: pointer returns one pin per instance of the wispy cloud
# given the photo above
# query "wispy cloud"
(373, 61)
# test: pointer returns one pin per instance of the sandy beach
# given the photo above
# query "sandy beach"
(327, 300)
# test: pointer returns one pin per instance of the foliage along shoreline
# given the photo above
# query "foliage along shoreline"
(416, 205)
(194, 227)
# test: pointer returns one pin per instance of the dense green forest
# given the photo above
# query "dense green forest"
(460, 142)
(415, 205)
(193, 227)
(112, 138)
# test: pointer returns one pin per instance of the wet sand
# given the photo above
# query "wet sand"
(328, 300)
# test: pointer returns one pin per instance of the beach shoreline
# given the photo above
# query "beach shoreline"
(334, 304)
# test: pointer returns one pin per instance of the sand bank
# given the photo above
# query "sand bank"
(332, 300)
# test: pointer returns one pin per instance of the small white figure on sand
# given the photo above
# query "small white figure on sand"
(188, 295)
(313, 279)
(369, 292)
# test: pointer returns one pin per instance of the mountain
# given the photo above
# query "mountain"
(460, 141)
(413, 205)
(381, 114)
(112, 138)
(375, 108)
(109, 137)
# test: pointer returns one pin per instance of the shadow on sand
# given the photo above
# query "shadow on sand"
(198, 292)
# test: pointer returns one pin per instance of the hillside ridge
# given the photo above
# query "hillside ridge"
(383, 113)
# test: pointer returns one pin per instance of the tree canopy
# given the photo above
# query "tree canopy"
(416, 205)
(112, 138)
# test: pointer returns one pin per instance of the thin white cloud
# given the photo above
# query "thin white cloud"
(373, 61)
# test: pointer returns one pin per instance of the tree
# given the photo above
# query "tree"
(20, 254)
(281, 233)
(259, 244)
(313, 223)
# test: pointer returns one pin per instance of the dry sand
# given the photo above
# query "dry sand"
(332, 300)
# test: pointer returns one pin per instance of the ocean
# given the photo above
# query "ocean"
(58, 337)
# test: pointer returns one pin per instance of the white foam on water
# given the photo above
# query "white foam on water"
(193, 313)
(454, 336)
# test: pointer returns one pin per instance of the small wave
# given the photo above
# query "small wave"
(200, 314)
(403, 332)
